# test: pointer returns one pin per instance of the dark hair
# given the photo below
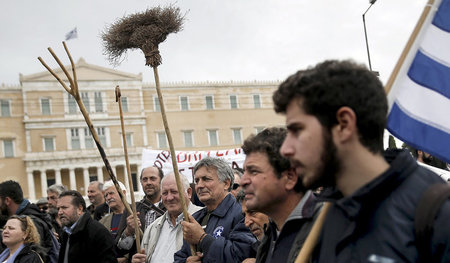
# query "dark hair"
(160, 172)
(12, 190)
(269, 142)
(77, 199)
(333, 84)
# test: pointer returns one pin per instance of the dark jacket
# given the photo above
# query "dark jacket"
(98, 212)
(376, 223)
(227, 239)
(31, 253)
(286, 246)
(41, 221)
(142, 207)
(90, 241)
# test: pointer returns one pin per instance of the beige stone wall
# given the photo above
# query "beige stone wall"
(28, 126)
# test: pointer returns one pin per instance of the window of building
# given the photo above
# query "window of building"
(72, 104)
(259, 129)
(85, 99)
(6, 108)
(256, 101)
(75, 139)
(213, 138)
(209, 102)
(188, 141)
(237, 136)
(157, 106)
(124, 104)
(233, 102)
(101, 135)
(8, 148)
(162, 140)
(45, 106)
(184, 103)
(88, 139)
(98, 102)
(129, 138)
(49, 144)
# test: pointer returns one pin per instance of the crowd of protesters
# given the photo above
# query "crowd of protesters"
(335, 116)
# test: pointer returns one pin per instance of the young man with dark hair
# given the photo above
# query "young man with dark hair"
(335, 115)
(272, 187)
(84, 239)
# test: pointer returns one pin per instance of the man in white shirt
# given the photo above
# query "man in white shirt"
(164, 236)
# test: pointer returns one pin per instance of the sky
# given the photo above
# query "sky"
(238, 40)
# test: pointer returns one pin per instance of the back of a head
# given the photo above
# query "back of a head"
(224, 171)
(56, 188)
(333, 84)
(12, 190)
(269, 142)
(77, 198)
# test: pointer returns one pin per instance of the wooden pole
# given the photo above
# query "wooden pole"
(408, 46)
(130, 180)
(313, 236)
(180, 187)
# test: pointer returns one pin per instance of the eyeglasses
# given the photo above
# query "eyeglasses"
(236, 186)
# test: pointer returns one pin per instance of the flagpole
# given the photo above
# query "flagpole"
(408, 46)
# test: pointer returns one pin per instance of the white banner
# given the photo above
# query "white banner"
(187, 159)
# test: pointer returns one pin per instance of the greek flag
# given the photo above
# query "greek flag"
(72, 34)
(419, 101)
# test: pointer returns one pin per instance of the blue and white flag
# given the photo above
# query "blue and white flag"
(72, 34)
(419, 101)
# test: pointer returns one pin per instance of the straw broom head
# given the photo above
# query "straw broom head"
(143, 31)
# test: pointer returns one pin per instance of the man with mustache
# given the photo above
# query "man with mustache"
(272, 187)
(217, 231)
(84, 239)
(336, 114)
(164, 236)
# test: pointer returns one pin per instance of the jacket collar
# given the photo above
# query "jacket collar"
(401, 164)
(304, 208)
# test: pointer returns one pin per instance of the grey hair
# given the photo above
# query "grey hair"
(224, 171)
(110, 183)
(183, 179)
(99, 185)
(56, 188)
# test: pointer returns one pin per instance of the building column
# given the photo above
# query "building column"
(100, 174)
(86, 179)
(126, 181)
(73, 181)
(138, 176)
(58, 176)
(31, 191)
(44, 185)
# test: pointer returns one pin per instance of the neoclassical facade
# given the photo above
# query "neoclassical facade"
(45, 140)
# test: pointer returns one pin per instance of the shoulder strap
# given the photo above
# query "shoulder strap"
(426, 211)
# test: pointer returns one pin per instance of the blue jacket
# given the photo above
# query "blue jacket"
(376, 223)
(227, 239)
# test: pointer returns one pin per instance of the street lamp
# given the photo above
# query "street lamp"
(365, 34)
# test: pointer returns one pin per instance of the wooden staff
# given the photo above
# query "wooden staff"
(180, 187)
(73, 90)
(130, 180)
(313, 236)
(408, 46)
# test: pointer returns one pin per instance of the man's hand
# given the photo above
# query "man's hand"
(122, 260)
(195, 259)
(192, 231)
(139, 257)
(130, 230)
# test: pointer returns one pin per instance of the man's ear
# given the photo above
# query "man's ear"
(189, 192)
(8, 201)
(227, 185)
(291, 178)
(346, 124)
